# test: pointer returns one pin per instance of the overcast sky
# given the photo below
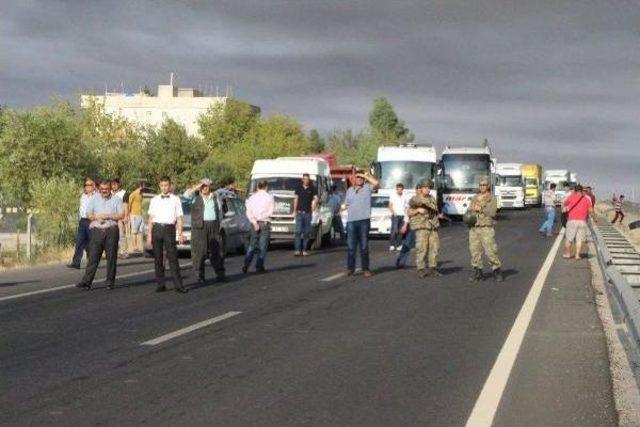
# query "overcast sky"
(556, 82)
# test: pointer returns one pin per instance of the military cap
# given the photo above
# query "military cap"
(425, 183)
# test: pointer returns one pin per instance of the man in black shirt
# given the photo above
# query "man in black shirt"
(304, 204)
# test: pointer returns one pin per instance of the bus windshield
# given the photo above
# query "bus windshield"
(462, 172)
(407, 173)
(531, 182)
(510, 181)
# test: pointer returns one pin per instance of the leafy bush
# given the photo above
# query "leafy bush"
(56, 204)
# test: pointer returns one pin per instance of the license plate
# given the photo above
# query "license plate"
(278, 229)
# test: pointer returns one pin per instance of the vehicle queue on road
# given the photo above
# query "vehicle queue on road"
(295, 199)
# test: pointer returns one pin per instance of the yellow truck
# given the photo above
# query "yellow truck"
(532, 176)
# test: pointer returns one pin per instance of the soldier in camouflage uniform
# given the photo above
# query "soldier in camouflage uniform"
(423, 218)
(482, 236)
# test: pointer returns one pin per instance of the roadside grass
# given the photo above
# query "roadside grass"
(11, 260)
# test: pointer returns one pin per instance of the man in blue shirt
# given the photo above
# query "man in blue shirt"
(206, 241)
(358, 206)
(104, 210)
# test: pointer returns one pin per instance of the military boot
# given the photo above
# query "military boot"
(498, 276)
(423, 272)
(433, 271)
(477, 275)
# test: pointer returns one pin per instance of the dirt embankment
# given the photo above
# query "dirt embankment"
(631, 214)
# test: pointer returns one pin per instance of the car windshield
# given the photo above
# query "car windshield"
(408, 173)
(277, 183)
(462, 172)
(380, 202)
(510, 181)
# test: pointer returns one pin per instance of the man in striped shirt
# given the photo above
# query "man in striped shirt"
(618, 202)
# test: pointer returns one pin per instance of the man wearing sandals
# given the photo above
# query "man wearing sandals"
(578, 208)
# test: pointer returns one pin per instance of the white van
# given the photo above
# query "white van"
(284, 175)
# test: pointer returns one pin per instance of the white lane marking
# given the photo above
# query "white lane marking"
(191, 328)
(334, 277)
(59, 288)
(337, 276)
(486, 406)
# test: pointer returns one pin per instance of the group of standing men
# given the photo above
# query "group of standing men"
(575, 206)
(102, 216)
(416, 220)
(100, 229)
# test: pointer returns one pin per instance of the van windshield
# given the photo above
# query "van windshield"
(279, 183)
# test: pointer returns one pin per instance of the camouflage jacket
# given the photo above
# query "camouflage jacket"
(429, 220)
(488, 209)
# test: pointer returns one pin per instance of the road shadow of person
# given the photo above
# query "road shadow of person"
(23, 282)
(237, 277)
(103, 263)
(450, 270)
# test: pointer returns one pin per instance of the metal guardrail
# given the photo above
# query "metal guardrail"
(620, 265)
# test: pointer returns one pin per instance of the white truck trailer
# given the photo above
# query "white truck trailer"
(509, 185)
(560, 177)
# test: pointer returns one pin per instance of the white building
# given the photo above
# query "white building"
(183, 105)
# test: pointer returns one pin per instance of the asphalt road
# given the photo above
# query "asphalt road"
(302, 346)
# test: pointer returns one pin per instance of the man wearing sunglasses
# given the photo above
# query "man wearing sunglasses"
(482, 235)
(82, 236)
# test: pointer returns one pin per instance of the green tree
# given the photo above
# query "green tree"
(354, 148)
(170, 151)
(40, 144)
(316, 142)
(228, 123)
(384, 121)
(56, 202)
(116, 142)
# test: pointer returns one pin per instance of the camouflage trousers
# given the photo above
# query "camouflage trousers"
(483, 238)
(427, 247)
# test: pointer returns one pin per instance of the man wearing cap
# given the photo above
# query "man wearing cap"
(206, 241)
(423, 218)
(482, 235)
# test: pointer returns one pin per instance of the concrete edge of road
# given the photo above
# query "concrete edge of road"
(624, 359)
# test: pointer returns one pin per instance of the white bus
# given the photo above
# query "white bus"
(461, 169)
(405, 164)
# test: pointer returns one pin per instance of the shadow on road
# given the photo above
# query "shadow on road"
(7, 284)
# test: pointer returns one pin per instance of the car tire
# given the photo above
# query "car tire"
(317, 241)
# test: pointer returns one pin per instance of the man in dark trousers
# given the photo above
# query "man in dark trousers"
(304, 204)
(164, 224)
(82, 236)
(205, 230)
(104, 211)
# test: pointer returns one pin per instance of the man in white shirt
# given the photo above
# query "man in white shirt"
(164, 224)
(259, 211)
(549, 200)
(398, 207)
